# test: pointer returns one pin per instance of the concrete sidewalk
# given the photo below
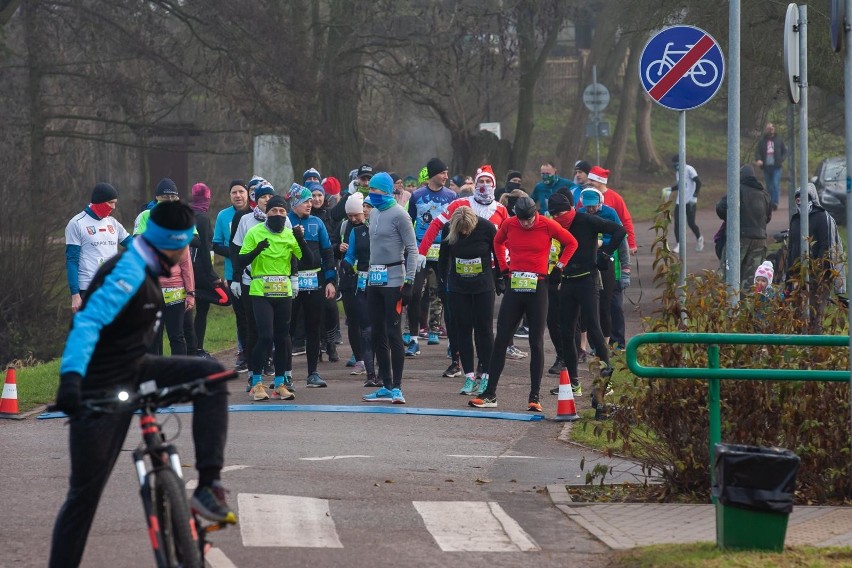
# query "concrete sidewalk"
(628, 525)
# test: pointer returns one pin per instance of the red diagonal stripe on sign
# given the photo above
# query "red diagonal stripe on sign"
(680, 69)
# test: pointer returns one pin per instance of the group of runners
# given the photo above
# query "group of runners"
(560, 257)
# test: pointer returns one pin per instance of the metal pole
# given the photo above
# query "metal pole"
(847, 103)
(732, 247)
(714, 407)
(791, 163)
(595, 117)
(804, 225)
(681, 198)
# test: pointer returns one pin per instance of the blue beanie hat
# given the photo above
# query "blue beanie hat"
(298, 194)
(166, 187)
(311, 172)
(265, 188)
(383, 182)
(171, 226)
(316, 186)
(591, 197)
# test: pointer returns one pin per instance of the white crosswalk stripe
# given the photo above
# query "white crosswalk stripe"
(455, 526)
(473, 526)
(285, 520)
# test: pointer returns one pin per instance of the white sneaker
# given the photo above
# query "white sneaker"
(676, 248)
(700, 246)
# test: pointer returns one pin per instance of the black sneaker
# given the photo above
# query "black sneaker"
(209, 502)
(557, 367)
(454, 370)
(372, 381)
(241, 366)
(522, 333)
(299, 349)
(269, 368)
(331, 349)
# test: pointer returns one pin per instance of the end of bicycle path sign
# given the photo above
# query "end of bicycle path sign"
(681, 67)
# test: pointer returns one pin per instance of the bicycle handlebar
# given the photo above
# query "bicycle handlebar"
(159, 398)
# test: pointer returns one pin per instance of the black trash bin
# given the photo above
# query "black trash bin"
(753, 488)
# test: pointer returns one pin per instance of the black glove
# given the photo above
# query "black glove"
(261, 246)
(555, 276)
(500, 284)
(68, 395)
(405, 293)
(604, 261)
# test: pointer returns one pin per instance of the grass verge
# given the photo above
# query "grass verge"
(707, 555)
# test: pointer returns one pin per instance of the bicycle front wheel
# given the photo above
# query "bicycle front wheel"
(177, 536)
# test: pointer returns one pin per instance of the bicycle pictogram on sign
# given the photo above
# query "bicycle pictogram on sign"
(681, 67)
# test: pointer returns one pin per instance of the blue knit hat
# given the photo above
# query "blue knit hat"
(383, 182)
(265, 188)
(166, 187)
(311, 172)
(298, 194)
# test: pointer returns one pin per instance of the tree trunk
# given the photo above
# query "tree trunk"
(618, 147)
(531, 65)
(649, 158)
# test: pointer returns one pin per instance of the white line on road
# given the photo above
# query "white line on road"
(215, 558)
(473, 526)
(286, 520)
(502, 457)
(326, 458)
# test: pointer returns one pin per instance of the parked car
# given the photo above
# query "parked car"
(830, 181)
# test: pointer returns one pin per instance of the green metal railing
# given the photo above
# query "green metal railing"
(713, 374)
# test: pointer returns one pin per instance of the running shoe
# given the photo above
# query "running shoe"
(381, 395)
(433, 339)
(204, 354)
(372, 381)
(282, 393)
(576, 388)
(351, 361)
(209, 502)
(483, 384)
(582, 356)
(483, 402)
(358, 369)
(513, 352)
(288, 382)
(331, 351)
(258, 392)
(299, 350)
(315, 381)
(554, 391)
(700, 246)
(269, 368)
(241, 366)
(424, 333)
(454, 370)
(413, 349)
(523, 332)
(557, 367)
(406, 339)
(534, 407)
(396, 396)
(676, 248)
(469, 387)
(440, 330)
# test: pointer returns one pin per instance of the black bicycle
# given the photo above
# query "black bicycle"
(178, 536)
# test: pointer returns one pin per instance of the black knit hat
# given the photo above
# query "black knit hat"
(166, 187)
(434, 167)
(103, 192)
(583, 166)
(513, 174)
(173, 215)
(235, 182)
(276, 201)
(558, 203)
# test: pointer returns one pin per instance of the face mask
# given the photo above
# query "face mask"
(484, 194)
(102, 210)
(276, 223)
(381, 201)
(548, 179)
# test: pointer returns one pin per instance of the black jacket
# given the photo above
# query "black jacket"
(755, 207)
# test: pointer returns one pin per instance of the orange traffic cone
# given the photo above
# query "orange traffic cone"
(9, 402)
(566, 410)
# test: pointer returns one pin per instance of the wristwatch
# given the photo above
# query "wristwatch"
(191, 293)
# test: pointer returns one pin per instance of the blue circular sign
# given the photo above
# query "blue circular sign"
(681, 67)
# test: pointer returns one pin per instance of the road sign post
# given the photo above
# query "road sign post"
(681, 68)
(596, 99)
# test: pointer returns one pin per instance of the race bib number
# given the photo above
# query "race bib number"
(553, 258)
(362, 280)
(524, 281)
(174, 295)
(468, 266)
(277, 287)
(308, 280)
(433, 252)
(378, 275)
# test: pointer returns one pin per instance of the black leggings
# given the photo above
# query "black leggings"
(690, 220)
(473, 313)
(415, 309)
(513, 308)
(605, 311)
(95, 441)
(358, 315)
(272, 317)
(239, 314)
(553, 307)
(384, 304)
(308, 308)
(251, 326)
(578, 297)
(330, 319)
(202, 308)
(172, 321)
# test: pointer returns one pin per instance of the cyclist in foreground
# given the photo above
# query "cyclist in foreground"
(105, 353)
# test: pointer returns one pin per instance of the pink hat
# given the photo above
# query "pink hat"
(599, 174)
(766, 270)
